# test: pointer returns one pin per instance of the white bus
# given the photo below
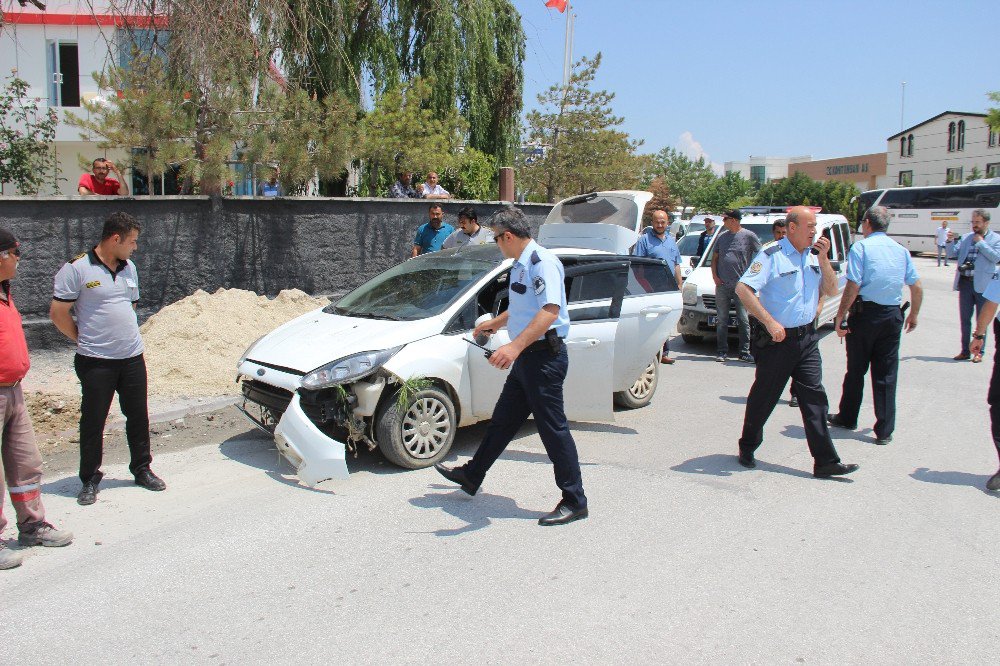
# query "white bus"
(915, 212)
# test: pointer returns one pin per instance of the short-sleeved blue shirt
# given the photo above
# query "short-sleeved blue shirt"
(429, 239)
(880, 266)
(787, 282)
(665, 249)
(543, 277)
(992, 291)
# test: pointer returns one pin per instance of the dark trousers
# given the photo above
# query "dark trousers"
(797, 358)
(969, 300)
(100, 379)
(873, 341)
(993, 397)
(534, 386)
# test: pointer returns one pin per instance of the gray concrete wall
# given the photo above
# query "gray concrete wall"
(321, 246)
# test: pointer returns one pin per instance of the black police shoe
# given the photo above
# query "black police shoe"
(882, 441)
(457, 475)
(793, 401)
(994, 482)
(563, 514)
(88, 494)
(746, 459)
(833, 469)
(837, 422)
(148, 480)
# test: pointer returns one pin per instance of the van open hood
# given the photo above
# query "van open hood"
(607, 221)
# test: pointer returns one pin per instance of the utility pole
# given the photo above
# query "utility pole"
(902, 107)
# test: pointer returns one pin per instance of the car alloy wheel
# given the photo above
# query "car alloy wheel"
(426, 427)
(645, 384)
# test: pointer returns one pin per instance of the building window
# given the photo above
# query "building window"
(951, 137)
(902, 147)
(757, 176)
(961, 135)
(993, 170)
(953, 176)
(64, 73)
(909, 146)
(993, 139)
(905, 178)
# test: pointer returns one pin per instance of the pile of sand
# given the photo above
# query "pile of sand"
(53, 413)
(192, 346)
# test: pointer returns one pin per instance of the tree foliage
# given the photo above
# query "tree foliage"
(720, 194)
(833, 196)
(663, 198)
(472, 175)
(584, 150)
(682, 175)
(26, 134)
(993, 113)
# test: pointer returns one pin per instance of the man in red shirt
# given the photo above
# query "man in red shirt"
(99, 182)
(20, 460)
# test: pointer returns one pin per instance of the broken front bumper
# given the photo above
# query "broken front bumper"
(315, 456)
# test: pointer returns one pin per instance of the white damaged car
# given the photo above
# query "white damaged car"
(390, 365)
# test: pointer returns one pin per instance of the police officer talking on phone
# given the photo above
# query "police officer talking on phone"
(877, 269)
(537, 322)
(781, 289)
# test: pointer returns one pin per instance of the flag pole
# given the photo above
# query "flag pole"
(568, 48)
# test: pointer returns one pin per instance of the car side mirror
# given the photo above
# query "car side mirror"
(482, 339)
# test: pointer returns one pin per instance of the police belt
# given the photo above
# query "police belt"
(800, 331)
(552, 342)
(860, 307)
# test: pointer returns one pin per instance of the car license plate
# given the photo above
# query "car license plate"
(713, 320)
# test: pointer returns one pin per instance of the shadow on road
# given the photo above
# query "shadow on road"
(256, 450)
(977, 481)
(476, 515)
(931, 359)
(721, 464)
(70, 486)
(734, 399)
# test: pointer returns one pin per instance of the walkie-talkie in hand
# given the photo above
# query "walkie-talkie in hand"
(488, 352)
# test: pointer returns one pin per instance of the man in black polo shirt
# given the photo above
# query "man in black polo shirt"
(102, 285)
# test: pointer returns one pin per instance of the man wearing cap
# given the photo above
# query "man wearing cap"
(781, 289)
(103, 287)
(19, 457)
(734, 249)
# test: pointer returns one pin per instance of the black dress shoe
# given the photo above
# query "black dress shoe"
(148, 480)
(457, 475)
(563, 514)
(793, 402)
(88, 494)
(883, 440)
(833, 469)
(746, 459)
(837, 422)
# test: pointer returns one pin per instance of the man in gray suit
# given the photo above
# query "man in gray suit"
(978, 255)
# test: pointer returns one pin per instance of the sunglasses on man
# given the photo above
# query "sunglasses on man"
(16, 251)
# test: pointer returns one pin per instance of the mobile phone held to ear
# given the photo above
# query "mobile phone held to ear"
(826, 235)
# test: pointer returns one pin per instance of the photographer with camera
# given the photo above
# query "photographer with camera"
(877, 269)
(781, 289)
(978, 255)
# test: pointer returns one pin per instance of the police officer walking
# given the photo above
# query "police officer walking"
(537, 321)
(781, 289)
(877, 269)
(102, 285)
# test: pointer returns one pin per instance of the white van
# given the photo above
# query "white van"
(698, 319)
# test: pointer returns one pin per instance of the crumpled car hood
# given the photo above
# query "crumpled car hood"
(317, 338)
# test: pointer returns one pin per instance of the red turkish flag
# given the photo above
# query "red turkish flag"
(557, 4)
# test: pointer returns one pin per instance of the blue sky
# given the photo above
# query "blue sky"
(772, 77)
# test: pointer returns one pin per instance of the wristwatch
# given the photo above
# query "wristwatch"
(979, 337)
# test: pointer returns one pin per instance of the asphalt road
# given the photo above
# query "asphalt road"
(686, 556)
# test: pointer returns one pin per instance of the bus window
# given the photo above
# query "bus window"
(905, 198)
(865, 201)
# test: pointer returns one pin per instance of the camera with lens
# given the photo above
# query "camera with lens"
(967, 266)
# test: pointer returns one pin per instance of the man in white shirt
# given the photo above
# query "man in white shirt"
(942, 242)
(470, 232)
(432, 190)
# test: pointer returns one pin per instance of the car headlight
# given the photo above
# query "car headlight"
(249, 349)
(690, 294)
(348, 369)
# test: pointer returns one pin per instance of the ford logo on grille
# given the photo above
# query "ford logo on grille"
(260, 372)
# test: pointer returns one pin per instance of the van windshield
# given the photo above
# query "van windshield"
(421, 287)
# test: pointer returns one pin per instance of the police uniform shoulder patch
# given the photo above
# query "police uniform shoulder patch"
(535, 258)
(77, 257)
(756, 267)
(539, 285)
(771, 250)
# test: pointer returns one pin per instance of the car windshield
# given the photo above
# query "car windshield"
(688, 244)
(421, 287)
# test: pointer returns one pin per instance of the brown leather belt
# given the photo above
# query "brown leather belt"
(10, 384)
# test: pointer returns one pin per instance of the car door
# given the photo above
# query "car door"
(650, 310)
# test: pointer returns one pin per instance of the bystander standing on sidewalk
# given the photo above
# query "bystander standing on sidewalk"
(734, 249)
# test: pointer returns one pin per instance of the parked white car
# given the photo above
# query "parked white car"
(699, 317)
(390, 365)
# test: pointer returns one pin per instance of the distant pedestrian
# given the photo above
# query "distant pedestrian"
(656, 242)
(978, 255)
(469, 231)
(100, 182)
(781, 289)
(706, 236)
(734, 248)
(402, 189)
(272, 186)
(431, 234)
(877, 269)
(20, 461)
(102, 286)
(942, 239)
(431, 189)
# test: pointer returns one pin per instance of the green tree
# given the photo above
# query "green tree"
(584, 150)
(683, 176)
(26, 134)
(662, 199)
(720, 194)
(993, 113)
(801, 190)
(473, 175)
(975, 174)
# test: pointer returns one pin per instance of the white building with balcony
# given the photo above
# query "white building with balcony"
(57, 51)
(943, 150)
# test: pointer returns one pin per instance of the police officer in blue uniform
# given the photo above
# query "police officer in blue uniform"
(877, 269)
(781, 290)
(537, 321)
